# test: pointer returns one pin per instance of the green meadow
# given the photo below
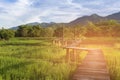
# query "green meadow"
(49, 39)
(33, 59)
(38, 59)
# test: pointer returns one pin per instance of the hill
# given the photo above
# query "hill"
(85, 19)
(95, 18)
(79, 21)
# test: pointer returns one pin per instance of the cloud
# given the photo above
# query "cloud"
(13, 12)
(16, 12)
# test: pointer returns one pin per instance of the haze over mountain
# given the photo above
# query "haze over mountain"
(85, 19)
(115, 16)
(96, 18)
(82, 20)
(37, 23)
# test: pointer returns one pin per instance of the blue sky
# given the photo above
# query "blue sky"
(16, 12)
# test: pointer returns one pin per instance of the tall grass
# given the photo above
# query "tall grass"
(33, 59)
(38, 59)
(111, 49)
(113, 60)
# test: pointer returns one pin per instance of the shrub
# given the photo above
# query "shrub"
(6, 34)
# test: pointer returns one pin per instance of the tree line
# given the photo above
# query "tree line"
(109, 28)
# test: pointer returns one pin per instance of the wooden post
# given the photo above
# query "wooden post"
(65, 43)
(53, 42)
(78, 57)
(74, 55)
(58, 43)
(67, 55)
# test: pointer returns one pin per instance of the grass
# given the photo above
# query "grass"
(38, 59)
(111, 49)
(113, 60)
(33, 59)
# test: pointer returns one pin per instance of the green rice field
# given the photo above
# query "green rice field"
(39, 59)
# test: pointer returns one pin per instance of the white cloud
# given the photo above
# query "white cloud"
(25, 11)
(14, 12)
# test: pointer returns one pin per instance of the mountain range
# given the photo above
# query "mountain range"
(96, 18)
(81, 20)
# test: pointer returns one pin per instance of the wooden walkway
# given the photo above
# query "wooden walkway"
(93, 67)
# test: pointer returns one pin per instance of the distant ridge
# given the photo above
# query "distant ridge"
(86, 19)
(115, 16)
(95, 18)
(79, 21)
(36, 23)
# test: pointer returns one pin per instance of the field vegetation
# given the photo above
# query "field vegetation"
(37, 59)
(27, 53)
(111, 50)
(33, 59)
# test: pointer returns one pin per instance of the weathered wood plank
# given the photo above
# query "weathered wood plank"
(93, 67)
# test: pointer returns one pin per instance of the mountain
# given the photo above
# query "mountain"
(80, 21)
(85, 19)
(47, 24)
(42, 24)
(13, 28)
(33, 23)
(115, 16)
(36, 23)
(95, 18)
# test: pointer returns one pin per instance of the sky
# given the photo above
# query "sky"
(17, 12)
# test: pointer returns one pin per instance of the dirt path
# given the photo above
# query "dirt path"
(93, 67)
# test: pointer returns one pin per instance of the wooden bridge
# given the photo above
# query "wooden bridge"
(93, 67)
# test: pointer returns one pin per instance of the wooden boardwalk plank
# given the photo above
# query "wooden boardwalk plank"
(93, 67)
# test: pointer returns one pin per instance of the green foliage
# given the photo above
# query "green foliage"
(58, 32)
(79, 31)
(33, 31)
(109, 28)
(104, 28)
(6, 34)
(0, 77)
(93, 30)
(101, 29)
(47, 32)
(33, 59)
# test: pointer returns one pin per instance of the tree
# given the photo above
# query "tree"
(22, 31)
(6, 34)
(68, 32)
(58, 32)
(109, 28)
(80, 31)
(47, 32)
(34, 31)
(93, 30)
